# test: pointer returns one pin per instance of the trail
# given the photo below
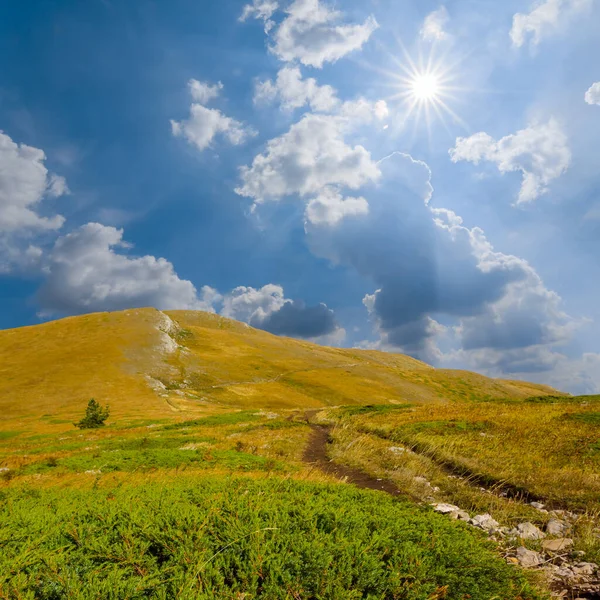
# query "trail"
(316, 455)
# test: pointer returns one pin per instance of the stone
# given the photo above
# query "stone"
(461, 515)
(444, 508)
(397, 449)
(556, 527)
(528, 558)
(485, 522)
(585, 568)
(537, 505)
(557, 545)
(528, 531)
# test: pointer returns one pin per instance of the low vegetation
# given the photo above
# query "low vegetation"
(197, 486)
(240, 538)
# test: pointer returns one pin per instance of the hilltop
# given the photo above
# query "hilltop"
(150, 363)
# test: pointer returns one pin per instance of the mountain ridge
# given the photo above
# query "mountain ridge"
(165, 362)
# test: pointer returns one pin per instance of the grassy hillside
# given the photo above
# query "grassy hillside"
(146, 363)
(199, 486)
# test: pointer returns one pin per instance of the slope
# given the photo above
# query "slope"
(151, 364)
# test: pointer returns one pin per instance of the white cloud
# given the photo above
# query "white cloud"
(311, 155)
(540, 152)
(267, 308)
(433, 25)
(592, 96)
(249, 304)
(262, 10)
(24, 183)
(294, 92)
(545, 19)
(204, 124)
(85, 273)
(331, 207)
(312, 34)
(204, 92)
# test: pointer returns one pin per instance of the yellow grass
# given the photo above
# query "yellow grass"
(49, 371)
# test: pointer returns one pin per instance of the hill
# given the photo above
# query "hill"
(223, 470)
(147, 363)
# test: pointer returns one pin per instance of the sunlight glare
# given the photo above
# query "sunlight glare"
(425, 87)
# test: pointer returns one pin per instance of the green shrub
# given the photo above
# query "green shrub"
(238, 538)
(95, 416)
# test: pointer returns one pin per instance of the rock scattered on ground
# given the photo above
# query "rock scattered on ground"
(528, 558)
(557, 545)
(557, 527)
(527, 531)
(485, 522)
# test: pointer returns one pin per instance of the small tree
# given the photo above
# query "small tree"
(95, 416)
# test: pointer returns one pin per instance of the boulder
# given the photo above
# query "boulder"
(556, 527)
(445, 509)
(557, 545)
(461, 515)
(528, 531)
(537, 505)
(485, 522)
(585, 568)
(528, 558)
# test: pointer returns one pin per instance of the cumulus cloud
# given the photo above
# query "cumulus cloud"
(262, 10)
(313, 154)
(267, 308)
(24, 183)
(425, 264)
(204, 92)
(204, 124)
(294, 92)
(85, 272)
(312, 33)
(592, 96)
(330, 207)
(434, 24)
(540, 152)
(545, 19)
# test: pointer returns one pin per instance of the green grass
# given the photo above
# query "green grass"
(240, 538)
(590, 418)
(7, 435)
(231, 418)
(374, 409)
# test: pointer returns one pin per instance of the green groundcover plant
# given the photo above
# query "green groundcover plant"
(240, 538)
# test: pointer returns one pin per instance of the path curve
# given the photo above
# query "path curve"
(316, 454)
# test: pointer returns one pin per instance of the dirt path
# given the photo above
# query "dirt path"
(316, 455)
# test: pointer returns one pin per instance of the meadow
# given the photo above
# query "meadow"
(199, 487)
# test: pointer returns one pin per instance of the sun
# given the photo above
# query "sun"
(425, 87)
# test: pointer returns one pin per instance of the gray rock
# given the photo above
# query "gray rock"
(461, 515)
(537, 505)
(556, 527)
(528, 531)
(585, 568)
(557, 545)
(528, 558)
(444, 508)
(485, 522)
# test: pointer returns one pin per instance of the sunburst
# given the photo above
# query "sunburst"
(426, 88)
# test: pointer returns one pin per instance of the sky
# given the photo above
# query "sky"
(409, 176)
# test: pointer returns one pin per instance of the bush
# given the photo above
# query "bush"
(94, 417)
(271, 539)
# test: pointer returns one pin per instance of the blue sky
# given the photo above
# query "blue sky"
(275, 162)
